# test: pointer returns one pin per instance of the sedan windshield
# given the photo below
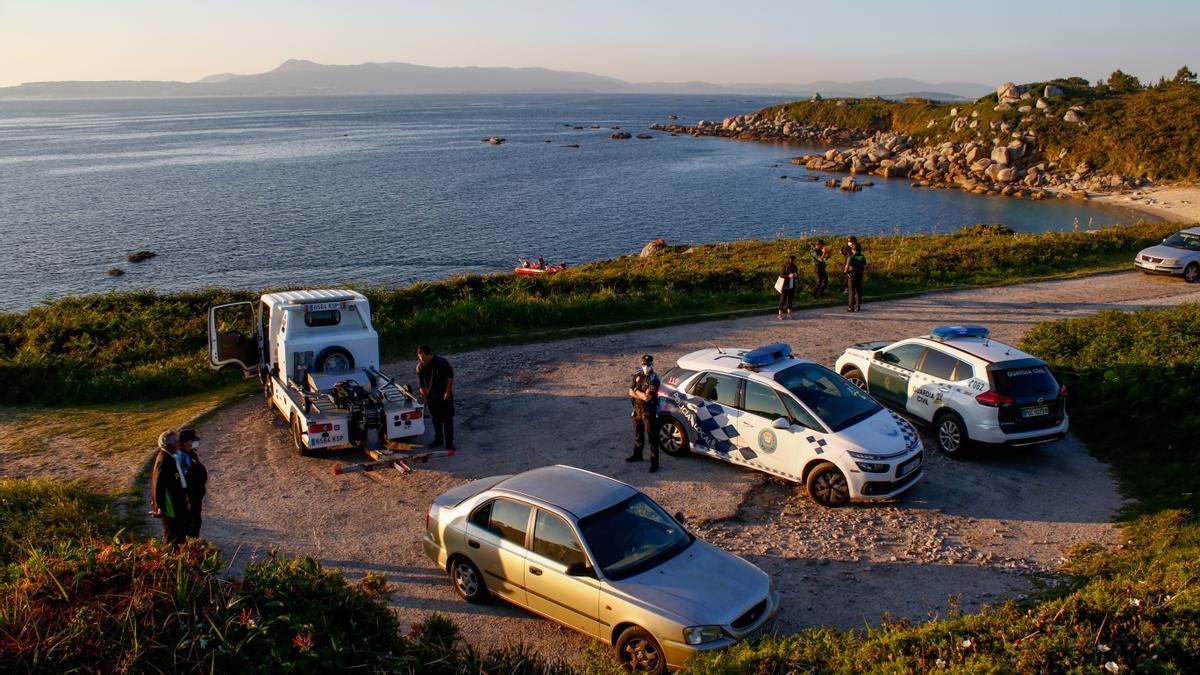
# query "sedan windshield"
(632, 537)
(1184, 240)
(838, 403)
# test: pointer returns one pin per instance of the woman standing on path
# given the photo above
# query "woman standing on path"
(788, 277)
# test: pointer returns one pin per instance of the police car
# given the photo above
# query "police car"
(770, 411)
(970, 388)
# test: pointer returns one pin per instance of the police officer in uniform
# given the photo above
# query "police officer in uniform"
(643, 393)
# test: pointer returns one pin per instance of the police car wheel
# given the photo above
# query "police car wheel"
(298, 438)
(951, 437)
(672, 437)
(1191, 273)
(855, 376)
(827, 486)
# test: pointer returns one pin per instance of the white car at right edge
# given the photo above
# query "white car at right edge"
(970, 388)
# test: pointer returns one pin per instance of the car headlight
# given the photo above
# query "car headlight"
(1169, 261)
(698, 635)
(862, 455)
(872, 467)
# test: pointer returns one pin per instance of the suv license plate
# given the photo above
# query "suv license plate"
(1035, 412)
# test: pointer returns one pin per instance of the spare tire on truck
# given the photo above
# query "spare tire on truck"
(334, 358)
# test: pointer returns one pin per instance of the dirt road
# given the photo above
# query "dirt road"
(969, 530)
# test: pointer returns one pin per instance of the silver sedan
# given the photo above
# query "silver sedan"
(601, 557)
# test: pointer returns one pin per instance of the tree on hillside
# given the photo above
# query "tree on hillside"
(1184, 74)
(1120, 81)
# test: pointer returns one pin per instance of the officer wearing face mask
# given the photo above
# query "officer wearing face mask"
(643, 393)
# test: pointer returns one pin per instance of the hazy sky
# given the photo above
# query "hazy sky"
(724, 42)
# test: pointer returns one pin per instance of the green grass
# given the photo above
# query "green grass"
(41, 514)
(145, 346)
(1146, 131)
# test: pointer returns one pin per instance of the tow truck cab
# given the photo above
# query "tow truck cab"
(317, 355)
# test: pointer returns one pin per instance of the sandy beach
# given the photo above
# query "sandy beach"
(1176, 203)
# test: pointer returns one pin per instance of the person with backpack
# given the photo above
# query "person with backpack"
(856, 265)
(197, 479)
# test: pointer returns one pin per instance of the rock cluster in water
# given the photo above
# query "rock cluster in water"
(755, 127)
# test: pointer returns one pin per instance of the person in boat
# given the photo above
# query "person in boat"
(525, 265)
(541, 263)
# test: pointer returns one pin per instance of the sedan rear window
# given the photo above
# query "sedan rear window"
(717, 387)
(510, 520)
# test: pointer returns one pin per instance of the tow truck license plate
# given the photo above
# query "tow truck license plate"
(322, 306)
(1035, 412)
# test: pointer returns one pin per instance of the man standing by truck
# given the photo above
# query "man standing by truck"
(643, 393)
(436, 383)
(197, 479)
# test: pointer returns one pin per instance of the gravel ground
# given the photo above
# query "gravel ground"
(970, 533)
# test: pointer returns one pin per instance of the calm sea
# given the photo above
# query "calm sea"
(251, 193)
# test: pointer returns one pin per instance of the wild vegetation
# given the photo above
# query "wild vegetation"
(1145, 131)
(143, 345)
(74, 602)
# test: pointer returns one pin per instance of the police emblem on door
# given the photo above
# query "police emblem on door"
(767, 441)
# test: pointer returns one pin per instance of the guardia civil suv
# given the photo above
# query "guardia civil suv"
(767, 410)
(970, 388)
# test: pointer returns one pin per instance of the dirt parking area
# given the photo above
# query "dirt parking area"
(972, 531)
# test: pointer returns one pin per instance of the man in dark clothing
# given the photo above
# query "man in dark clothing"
(168, 494)
(197, 479)
(820, 256)
(643, 393)
(856, 264)
(436, 382)
(790, 274)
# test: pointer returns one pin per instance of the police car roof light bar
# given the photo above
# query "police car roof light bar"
(952, 332)
(765, 356)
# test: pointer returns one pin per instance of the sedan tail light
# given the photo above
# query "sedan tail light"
(994, 400)
(1062, 391)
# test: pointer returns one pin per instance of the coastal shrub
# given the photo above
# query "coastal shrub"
(1140, 371)
(143, 345)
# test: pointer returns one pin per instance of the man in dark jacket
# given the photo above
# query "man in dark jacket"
(436, 383)
(856, 264)
(643, 393)
(790, 275)
(197, 479)
(820, 257)
(168, 494)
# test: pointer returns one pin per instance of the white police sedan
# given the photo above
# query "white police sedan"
(773, 412)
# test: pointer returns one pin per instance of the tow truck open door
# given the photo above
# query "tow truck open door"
(234, 337)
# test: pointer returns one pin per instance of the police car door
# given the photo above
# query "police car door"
(935, 383)
(711, 410)
(761, 442)
(889, 377)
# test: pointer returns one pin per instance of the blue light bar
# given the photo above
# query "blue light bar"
(951, 332)
(765, 356)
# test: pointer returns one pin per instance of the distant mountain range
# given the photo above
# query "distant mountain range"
(306, 78)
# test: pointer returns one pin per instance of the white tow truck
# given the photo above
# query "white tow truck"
(317, 356)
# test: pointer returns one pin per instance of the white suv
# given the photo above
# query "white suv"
(972, 389)
(770, 411)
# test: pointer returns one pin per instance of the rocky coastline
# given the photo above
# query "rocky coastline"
(1003, 159)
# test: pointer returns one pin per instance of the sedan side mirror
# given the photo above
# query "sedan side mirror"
(680, 517)
(878, 356)
(781, 423)
(579, 569)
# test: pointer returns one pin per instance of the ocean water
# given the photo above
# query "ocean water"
(252, 193)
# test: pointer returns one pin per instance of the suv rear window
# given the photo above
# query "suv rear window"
(1023, 380)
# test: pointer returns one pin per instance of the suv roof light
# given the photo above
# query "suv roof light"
(765, 356)
(952, 332)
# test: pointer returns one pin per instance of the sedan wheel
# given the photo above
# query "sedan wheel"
(827, 486)
(639, 652)
(467, 580)
(1191, 273)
